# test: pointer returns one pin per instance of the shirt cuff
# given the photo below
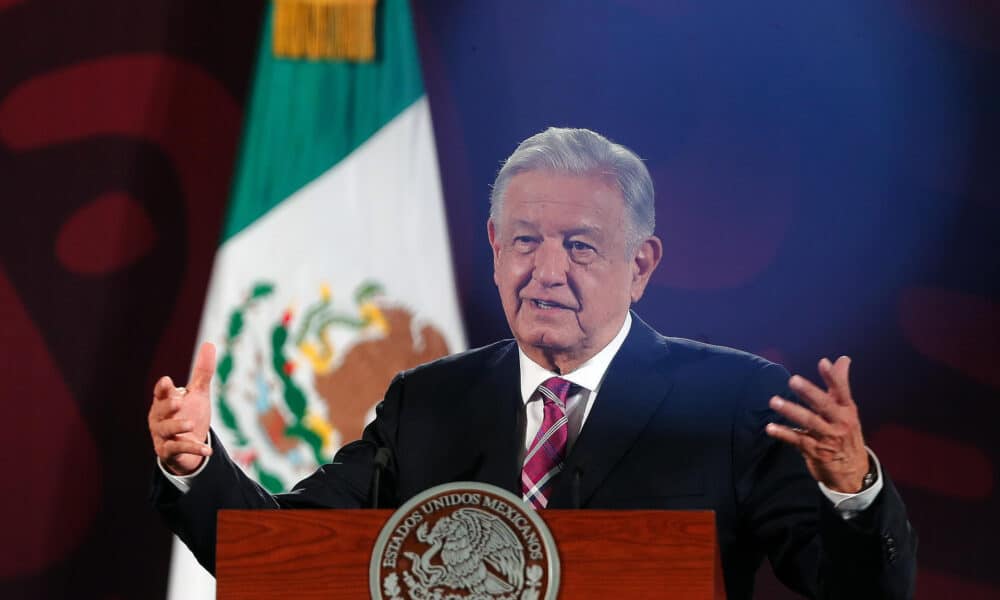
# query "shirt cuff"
(183, 482)
(849, 506)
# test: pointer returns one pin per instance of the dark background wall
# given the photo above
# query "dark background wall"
(827, 179)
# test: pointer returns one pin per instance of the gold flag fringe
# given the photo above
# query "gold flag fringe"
(325, 29)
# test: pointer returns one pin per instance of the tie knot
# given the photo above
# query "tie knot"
(555, 389)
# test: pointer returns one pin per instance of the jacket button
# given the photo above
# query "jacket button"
(890, 548)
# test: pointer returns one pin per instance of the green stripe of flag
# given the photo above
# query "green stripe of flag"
(305, 117)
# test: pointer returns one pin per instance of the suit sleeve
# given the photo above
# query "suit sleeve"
(343, 483)
(813, 549)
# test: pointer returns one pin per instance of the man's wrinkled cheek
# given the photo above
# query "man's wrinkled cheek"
(520, 276)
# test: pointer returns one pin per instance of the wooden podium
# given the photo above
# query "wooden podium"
(604, 554)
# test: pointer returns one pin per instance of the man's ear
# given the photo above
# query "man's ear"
(491, 233)
(647, 256)
(494, 237)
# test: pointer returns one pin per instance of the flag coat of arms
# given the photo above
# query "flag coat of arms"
(334, 270)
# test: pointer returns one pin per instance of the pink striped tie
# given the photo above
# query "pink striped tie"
(546, 453)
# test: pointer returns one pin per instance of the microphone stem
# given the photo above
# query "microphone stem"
(577, 476)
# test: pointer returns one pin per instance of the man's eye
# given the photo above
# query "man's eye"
(524, 242)
(580, 247)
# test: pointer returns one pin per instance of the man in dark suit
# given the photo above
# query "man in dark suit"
(590, 407)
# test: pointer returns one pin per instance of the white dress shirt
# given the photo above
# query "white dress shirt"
(586, 379)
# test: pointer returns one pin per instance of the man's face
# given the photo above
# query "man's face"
(560, 265)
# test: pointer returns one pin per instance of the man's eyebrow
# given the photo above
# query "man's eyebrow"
(591, 231)
(523, 223)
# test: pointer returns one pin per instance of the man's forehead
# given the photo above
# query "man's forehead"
(538, 181)
(567, 229)
(535, 190)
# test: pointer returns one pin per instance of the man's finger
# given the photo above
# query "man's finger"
(171, 427)
(837, 379)
(162, 408)
(204, 368)
(163, 387)
(815, 397)
(176, 446)
(823, 366)
(787, 434)
(802, 416)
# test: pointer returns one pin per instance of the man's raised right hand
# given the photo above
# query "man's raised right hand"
(179, 417)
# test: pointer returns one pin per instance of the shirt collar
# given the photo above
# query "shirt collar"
(588, 376)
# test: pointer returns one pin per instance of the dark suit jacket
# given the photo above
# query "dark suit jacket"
(677, 425)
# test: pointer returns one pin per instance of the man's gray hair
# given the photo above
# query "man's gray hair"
(584, 152)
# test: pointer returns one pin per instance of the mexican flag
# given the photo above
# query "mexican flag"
(334, 270)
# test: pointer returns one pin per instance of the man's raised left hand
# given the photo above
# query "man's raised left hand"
(829, 429)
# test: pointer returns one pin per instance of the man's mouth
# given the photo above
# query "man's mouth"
(547, 304)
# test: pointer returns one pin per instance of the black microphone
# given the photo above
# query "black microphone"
(575, 489)
(382, 457)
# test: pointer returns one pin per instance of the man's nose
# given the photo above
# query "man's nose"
(551, 264)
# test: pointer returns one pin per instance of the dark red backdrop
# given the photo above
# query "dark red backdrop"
(118, 125)
(865, 134)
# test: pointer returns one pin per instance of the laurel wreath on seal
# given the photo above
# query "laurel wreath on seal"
(390, 585)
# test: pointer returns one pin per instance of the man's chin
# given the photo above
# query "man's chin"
(556, 319)
(547, 340)
(556, 330)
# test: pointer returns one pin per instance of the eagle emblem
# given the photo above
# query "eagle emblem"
(296, 379)
(465, 541)
(478, 552)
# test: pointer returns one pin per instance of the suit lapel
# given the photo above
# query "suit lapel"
(499, 430)
(633, 388)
